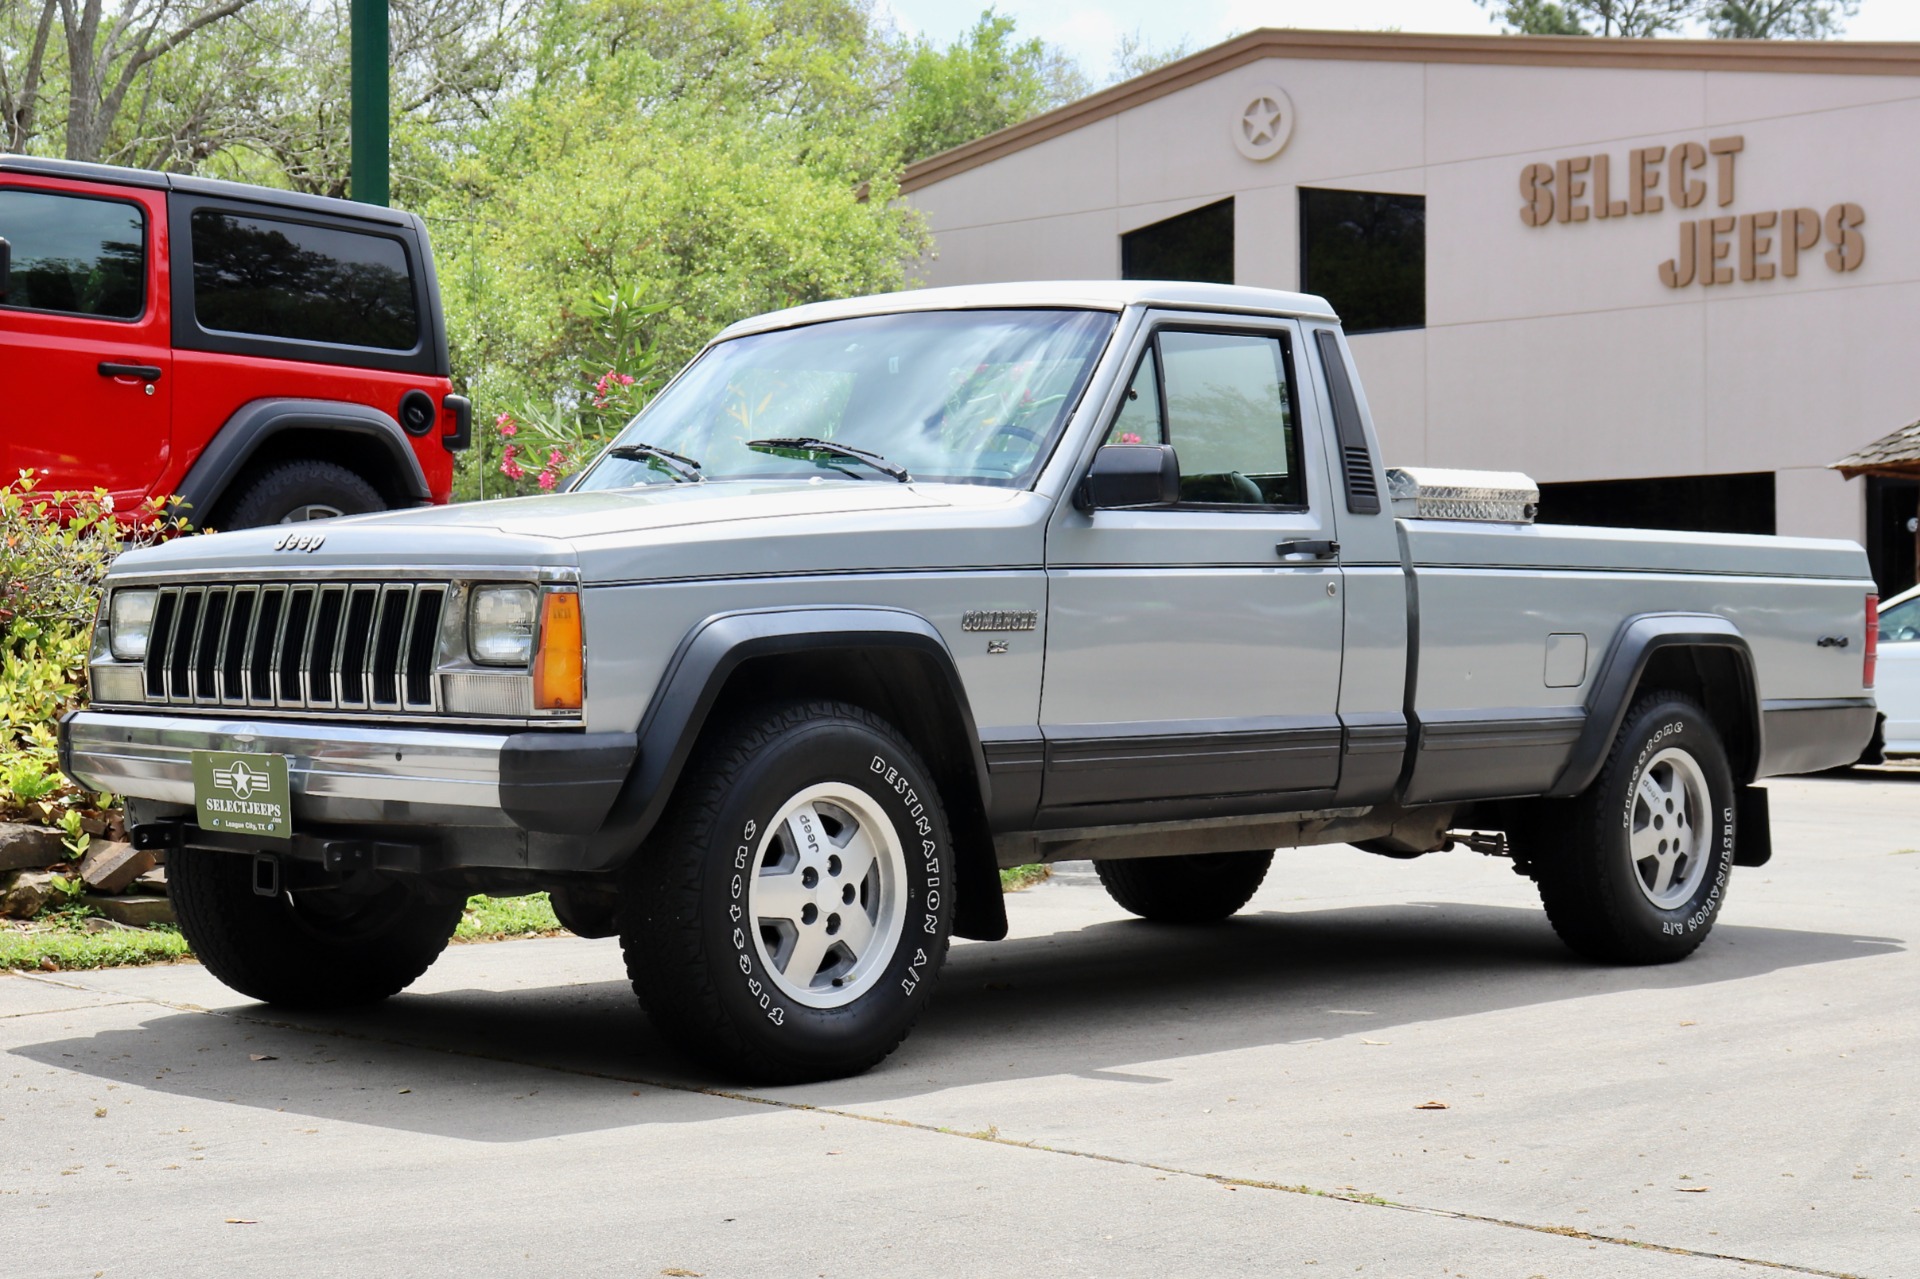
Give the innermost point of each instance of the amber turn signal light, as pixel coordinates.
(559, 674)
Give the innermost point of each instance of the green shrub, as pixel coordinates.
(539, 440)
(55, 549)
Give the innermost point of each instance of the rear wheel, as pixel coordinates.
(297, 491)
(1199, 889)
(1635, 870)
(356, 943)
(790, 918)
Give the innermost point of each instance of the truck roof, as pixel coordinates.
(1103, 295)
(152, 179)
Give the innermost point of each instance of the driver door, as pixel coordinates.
(1193, 659)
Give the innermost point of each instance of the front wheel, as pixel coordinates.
(356, 943)
(790, 918)
(1635, 870)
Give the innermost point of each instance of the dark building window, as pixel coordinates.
(1891, 504)
(1194, 246)
(1684, 503)
(1366, 253)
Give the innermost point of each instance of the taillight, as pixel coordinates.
(1873, 640)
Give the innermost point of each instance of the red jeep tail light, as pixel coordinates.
(1873, 640)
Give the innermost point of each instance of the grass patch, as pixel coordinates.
(492, 918)
(1019, 877)
(62, 938)
(59, 945)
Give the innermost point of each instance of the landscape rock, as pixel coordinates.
(151, 884)
(24, 847)
(25, 893)
(110, 867)
(135, 912)
(95, 924)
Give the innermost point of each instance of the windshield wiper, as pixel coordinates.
(683, 469)
(813, 444)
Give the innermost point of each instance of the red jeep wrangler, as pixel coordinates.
(266, 356)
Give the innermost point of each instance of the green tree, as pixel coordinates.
(1725, 19)
(1537, 18)
(85, 60)
(984, 81)
(1779, 19)
(1593, 17)
(1134, 55)
(716, 157)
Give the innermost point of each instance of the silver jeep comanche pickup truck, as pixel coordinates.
(880, 595)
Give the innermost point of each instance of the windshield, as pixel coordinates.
(970, 397)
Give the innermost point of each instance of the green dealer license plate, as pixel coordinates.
(244, 794)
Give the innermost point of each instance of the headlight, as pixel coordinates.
(129, 623)
(500, 625)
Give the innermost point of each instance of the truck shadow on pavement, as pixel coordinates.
(524, 1063)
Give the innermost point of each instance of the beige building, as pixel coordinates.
(1671, 279)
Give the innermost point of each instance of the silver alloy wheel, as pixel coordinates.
(311, 511)
(1671, 826)
(828, 895)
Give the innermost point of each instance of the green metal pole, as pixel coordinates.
(368, 118)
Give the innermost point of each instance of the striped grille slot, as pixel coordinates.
(361, 646)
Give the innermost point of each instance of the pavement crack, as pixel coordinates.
(1352, 1197)
(70, 1008)
(994, 1137)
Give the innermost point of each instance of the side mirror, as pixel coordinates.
(6, 266)
(1130, 475)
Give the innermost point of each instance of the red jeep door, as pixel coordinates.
(85, 348)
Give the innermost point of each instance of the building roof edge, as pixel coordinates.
(1802, 57)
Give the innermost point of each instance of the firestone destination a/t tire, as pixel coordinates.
(789, 920)
(1636, 871)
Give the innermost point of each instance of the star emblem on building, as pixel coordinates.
(1261, 121)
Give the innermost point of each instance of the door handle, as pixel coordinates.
(1319, 550)
(150, 372)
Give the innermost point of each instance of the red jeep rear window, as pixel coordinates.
(268, 278)
(75, 255)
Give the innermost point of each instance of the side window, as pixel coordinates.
(1228, 414)
(75, 255)
(1901, 623)
(264, 277)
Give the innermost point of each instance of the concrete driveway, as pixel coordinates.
(1095, 1096)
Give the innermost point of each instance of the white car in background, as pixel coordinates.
(1897, 682)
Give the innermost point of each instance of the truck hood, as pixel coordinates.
(647, 508)
(721, 528)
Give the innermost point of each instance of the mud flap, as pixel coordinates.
(1753, 827)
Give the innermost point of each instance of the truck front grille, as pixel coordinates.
(368, 646)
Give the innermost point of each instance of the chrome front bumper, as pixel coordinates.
(391, 777)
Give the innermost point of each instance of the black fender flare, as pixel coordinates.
(1634, 645)
(258, 421)
(697, 674)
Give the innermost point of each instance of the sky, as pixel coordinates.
(1090, 29)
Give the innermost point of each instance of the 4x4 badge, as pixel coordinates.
(308, 542)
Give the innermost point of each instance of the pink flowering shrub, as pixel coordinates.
(614, 382)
